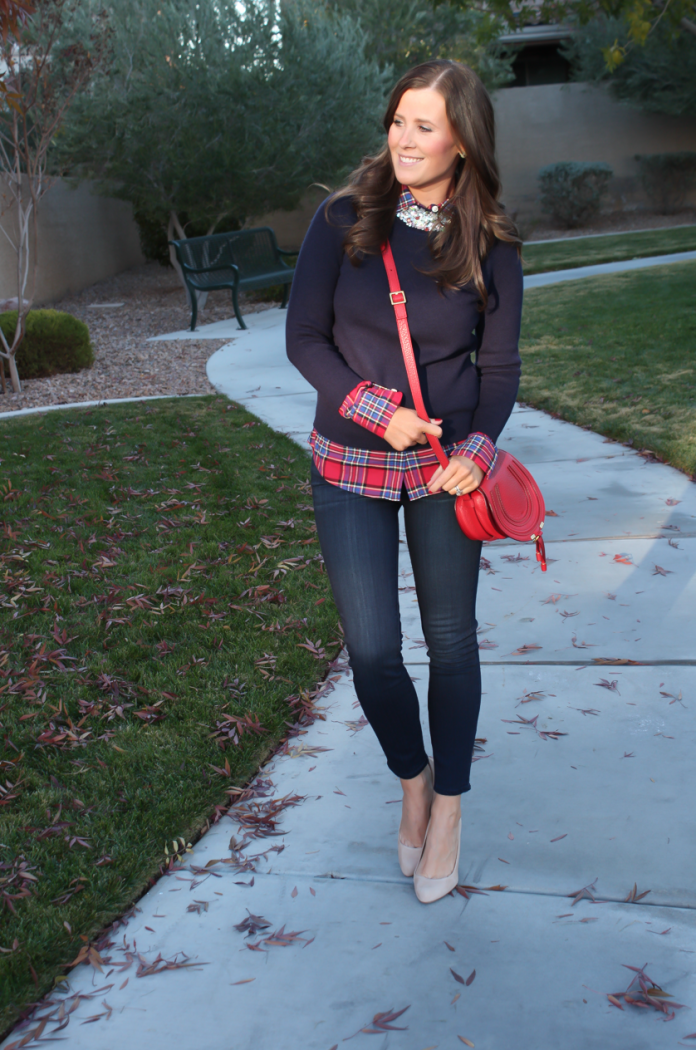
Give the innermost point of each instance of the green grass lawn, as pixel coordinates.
(160, 582)
(618, 354)
(586, 251)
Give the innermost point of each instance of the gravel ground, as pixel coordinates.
(612, 222)
(125, 364)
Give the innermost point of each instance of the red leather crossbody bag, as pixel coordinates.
(508, 503)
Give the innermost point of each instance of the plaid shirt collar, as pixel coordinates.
(407, 200)
(421, 216)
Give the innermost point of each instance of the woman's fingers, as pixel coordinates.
(427, 428)
(406, 429)
(461, 472)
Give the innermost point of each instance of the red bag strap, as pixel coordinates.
(398, 300)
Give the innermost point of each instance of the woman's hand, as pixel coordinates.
(462, 472)
(406, 429)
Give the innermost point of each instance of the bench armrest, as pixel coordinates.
(282, 251)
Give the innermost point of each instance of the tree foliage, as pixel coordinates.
(402, 33)
(659, 76)
(219, 112)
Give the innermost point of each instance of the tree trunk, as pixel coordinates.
(14, 376)
(174, 227)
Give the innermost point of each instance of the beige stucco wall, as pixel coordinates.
(555, 122)
(82, 238)
(291, 226)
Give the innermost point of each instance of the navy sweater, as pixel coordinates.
(341, 330)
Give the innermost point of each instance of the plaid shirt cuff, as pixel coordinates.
(481, 449)
(371, 406)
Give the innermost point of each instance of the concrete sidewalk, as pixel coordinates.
(603, 807)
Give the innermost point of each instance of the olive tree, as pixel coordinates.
(215, 112)
(402, 33)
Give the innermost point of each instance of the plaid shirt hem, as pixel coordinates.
(382, 475)
(371, 406)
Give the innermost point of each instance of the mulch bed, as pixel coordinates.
(126, 365)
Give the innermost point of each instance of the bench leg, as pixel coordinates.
(194, 309)
(235, 303)
(286, 292)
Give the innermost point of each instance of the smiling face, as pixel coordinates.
(422, 144)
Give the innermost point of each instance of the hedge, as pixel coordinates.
(54, 342)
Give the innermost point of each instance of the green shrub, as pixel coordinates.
(667, 178)
(53, 342)
(572, 192)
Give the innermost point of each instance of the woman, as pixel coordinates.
(432, 192)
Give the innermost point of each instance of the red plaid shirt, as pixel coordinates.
(384, 474)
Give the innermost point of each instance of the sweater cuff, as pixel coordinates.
(371, 406)
(481, 449)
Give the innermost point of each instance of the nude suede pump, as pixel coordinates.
(429, 890)
(410, 855)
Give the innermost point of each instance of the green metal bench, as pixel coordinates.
(241, 261)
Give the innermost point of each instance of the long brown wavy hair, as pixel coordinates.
(476, 219)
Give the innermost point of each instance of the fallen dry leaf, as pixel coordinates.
(524, 649)
(635, 896)
(586, 891)
(648, 994)
(252, 925)
(612, 686)
(545, 734)
(382, 1023)
(528, 697)
(616, 661)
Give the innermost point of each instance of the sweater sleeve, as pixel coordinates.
(310, 319)
(498, 359)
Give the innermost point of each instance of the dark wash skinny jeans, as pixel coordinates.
(359, 537)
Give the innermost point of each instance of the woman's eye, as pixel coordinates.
(423, 128)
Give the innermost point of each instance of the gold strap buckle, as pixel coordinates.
(397, 302)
